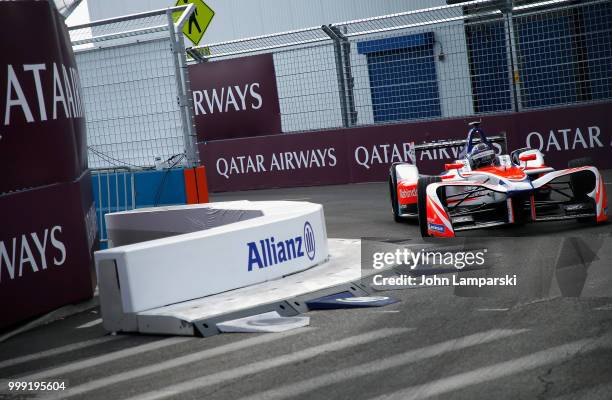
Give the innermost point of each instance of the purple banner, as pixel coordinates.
(235, 98)
(567, 133)
(364, 154)
(48, 230)
(46, 249)
(42, 129)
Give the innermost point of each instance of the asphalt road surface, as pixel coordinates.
(550, 337)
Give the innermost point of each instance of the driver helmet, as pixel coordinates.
(481, 156)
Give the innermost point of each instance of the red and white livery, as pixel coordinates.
(483, 188)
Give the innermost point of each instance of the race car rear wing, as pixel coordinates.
(442, 144)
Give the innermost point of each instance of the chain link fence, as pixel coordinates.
(564, 55)
(465, 59)
(470, 58)
(133, 82)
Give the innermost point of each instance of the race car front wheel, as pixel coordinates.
(581, 182)
(393, 195)
(422, 184)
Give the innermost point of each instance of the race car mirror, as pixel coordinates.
(528, 157)
(453, 166)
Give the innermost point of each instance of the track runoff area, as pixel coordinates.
(547, 336)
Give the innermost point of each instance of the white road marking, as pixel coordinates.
(57, 350)
(606, 307)
(92, 362)
(399, 360)
(493, 309)
(90, 324)
(536, 301)
(500, 370)
(260, 366)
(176, 362)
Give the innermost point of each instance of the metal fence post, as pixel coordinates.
(182, 83)
(513, 67)
(349, 82)
(340, 73)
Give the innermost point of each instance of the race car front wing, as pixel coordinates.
(445, 216)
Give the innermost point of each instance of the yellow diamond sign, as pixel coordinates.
(198, 21)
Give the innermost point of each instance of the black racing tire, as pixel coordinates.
(422, 184)
(582, 183)
(393, 196)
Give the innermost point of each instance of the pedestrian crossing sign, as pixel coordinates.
(198, 22)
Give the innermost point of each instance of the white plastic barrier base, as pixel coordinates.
(227, 246)
(284, 295)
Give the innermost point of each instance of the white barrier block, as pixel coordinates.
(288, 237)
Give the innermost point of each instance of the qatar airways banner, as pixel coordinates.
(42, 128)
(235, 98)
(47, 237)
(365, 154)
(48, 219)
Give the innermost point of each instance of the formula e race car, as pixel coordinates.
(483, 189)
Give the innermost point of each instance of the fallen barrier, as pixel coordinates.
(181, 270)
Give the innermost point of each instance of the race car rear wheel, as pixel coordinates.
(582, 183)
(422, 184)
(393, 195)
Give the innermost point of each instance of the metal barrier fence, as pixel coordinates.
(477, 57)
(459, 60)
(135, 89)
(113, 190)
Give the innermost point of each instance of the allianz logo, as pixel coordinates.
(272, 251)
(408, 193)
